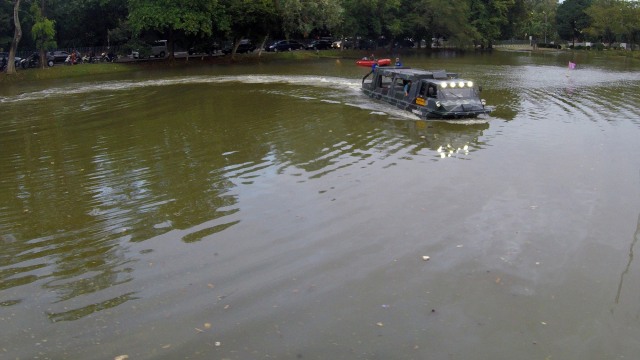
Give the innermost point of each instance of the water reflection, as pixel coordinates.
(634, 241)
(228, 176)
(541, 91)
(92, 178)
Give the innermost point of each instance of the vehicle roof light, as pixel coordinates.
(443, 84)
(470, 83)
(452, 84)
(461, 84)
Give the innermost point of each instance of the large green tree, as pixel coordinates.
(443, 19)
(304, 16)
(516, 20)
(85, 22)
(374, 19)
(487, 17)
(43, 32)
(606, 19)
(614, 20)
(572, 19)
(167, 16)
(360, 18)
(251, 19)
(6, 25)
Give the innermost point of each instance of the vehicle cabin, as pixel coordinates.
(428, 94)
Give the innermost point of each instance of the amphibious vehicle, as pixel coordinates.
(429, 94)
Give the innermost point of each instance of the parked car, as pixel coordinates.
(343, 44)
(366, 44)
(319, 45)
(4, 58)
(205, 48)
(245, 46)
(140, 52)
(284, 45)
(58, 56)
(33, 61)
(158, 49)
(405, 43)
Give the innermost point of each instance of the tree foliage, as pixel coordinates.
(614, 20)
(85, 22)
(572, 19)
(463, 22)
(43, 32)
(249, 19)
(6, 25)
(304, 16)
(167, 16)
(487, 17)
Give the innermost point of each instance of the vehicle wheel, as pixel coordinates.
(162, 54)
(50, 63)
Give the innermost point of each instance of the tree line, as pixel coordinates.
(48, 24)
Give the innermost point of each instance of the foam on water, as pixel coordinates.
(348, 90)
(542, 84)
(126, 85)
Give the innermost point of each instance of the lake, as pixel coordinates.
(272, 211)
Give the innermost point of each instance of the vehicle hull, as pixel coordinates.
(422, 93)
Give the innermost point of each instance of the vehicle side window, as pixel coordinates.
(399, 84)
(423, 89)
(385, 81)
(432, 91)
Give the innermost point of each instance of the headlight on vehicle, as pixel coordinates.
(483, 102)
(438, 104)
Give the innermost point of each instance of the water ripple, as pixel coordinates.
(110, 166)
(127, 85)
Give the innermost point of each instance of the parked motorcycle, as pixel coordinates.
(88, 59)
(73, 59)
(33, 61)
(108, 57)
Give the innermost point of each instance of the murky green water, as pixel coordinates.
(273, 211)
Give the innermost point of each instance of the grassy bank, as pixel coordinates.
(61, 71)
(88, 70)
(85, 70)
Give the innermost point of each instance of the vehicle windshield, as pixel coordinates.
(457, 93)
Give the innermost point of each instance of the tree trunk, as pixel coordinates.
(262, 46)
(170, 46)
(17, 35)
(43, 61)
(43, 54)
(236, 45)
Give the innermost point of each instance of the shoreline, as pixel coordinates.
(130, 65)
